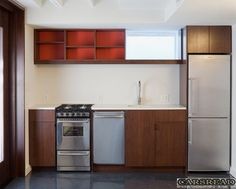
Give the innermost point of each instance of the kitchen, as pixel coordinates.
(88, 84)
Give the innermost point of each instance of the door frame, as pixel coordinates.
(16, 77)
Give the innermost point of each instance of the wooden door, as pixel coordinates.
(139, 139)
(198, 39)
(42, 138)
(5, 173)
(171, 144)
(220, 39)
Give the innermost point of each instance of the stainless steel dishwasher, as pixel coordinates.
(108, 137)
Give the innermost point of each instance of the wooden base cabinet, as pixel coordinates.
(155, 138)
(42, 138)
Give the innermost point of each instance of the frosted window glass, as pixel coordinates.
(152, 45)
(1, 98)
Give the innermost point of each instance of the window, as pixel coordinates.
(1, 98)
(153, 44)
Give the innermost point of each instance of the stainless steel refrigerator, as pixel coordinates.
(209, 113)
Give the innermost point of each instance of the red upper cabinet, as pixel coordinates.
(110, 44)
(79, 45)
(49, 45)
(209, 39)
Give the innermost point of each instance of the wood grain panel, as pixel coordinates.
(197, 39)
(220, 39)
(42, 115)
(171, 142)
(139, 139)
(155, 138)
(42, 138)
(170, 115)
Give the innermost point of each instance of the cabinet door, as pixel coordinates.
(171, 144)
(198, 39)
(220, 39)
(42, 138)
(140, 139)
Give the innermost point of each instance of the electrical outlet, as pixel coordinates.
(45, 98)
(165, 98)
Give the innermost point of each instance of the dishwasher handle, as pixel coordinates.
(109, 115)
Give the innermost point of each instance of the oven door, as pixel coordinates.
(73, 134)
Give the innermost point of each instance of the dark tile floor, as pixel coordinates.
(82, 180)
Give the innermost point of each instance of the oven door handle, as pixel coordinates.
(77, 121)
(59, 134)
(73, 153)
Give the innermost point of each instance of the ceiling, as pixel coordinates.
(128, 13)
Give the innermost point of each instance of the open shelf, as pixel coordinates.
(50, 36)
(78, 45)
(80, 54)
(50, 52)
(110, 38)
(110, 53)
(80, 38)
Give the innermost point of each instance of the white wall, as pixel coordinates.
(106, 84)
(233, 134)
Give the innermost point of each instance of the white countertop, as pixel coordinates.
(117, 107)
(138, 107)
(44, 107)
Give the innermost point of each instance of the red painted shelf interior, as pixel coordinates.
(80, 45)
(50, 36)
(50, 52)
(81, 38)
(110, 53)
(110, 38)
(80, 53)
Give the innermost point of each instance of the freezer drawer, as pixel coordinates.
(208, 144)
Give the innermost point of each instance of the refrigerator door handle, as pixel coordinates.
(193, 90)
(190, 97)
(190, 131)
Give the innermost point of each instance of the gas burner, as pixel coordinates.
(67, 107)
(83, 107)
(73, 111)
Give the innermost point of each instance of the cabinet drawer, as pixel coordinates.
(42, 115)
(171, 115)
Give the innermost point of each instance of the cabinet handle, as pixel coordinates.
(157, 136)
(156, 127)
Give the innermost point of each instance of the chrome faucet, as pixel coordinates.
(139, 93)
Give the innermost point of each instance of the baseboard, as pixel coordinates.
(28, 170)
(123, 168)
(233, 172)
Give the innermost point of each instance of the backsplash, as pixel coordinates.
(101, 84)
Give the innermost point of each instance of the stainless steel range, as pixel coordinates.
(73, 137)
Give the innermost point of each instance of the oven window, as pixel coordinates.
(72, 131)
